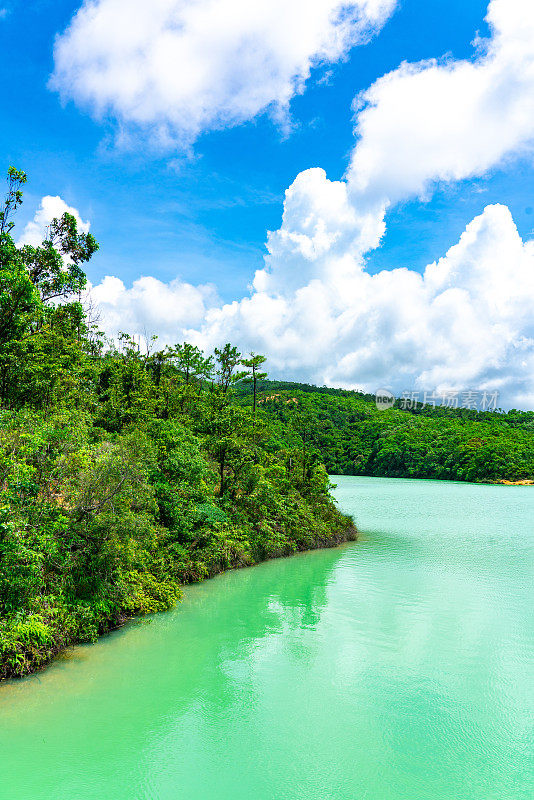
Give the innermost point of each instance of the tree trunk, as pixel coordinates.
(254, 410)
(221, 488)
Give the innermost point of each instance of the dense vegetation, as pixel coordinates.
(353, 437)
(126, 473)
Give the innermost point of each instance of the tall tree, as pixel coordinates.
(253, 365)
(39, 296)
(227, 360)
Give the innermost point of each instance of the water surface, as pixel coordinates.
(395, 668)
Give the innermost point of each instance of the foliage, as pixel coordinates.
(125, 473)
(352, 437)
(128, 471)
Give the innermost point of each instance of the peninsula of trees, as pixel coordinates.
(125, 472)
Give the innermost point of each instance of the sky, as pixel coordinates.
(343, 186)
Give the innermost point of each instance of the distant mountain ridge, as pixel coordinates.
(352, 436)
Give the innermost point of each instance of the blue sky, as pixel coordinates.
(202, 215)
(207, 220)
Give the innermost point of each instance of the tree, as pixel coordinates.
(15, 179)
(191, 362)
(19, 300)
(253, 364)
(122, 474)
(304, 421)
(127, 391)
(40, 289)
(227, 359)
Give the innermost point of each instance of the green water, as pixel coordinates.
(395, 668)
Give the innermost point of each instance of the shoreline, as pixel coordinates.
(525, 482)
(349, 534)
(484, 482)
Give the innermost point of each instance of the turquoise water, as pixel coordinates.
(395, 668)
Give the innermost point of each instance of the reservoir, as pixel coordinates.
(398, 667)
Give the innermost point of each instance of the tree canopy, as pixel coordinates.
(125, 471)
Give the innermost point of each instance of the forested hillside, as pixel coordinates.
(351, 436)
(126, 471)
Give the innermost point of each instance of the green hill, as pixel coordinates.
(353, 437)
(125, 473)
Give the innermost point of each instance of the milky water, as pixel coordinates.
(395, 668)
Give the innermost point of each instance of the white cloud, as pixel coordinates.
(50, 208)
(441, 121)
(180, 67)
(318, 219)
(151, 307)
(467, 322)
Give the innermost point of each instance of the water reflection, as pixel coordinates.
(397, 667)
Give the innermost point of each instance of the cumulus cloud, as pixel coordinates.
(151, 307)
(148, 307)
(181, 67)
(318, 220)
(448, 120)
(50, 208)
(466, 322)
